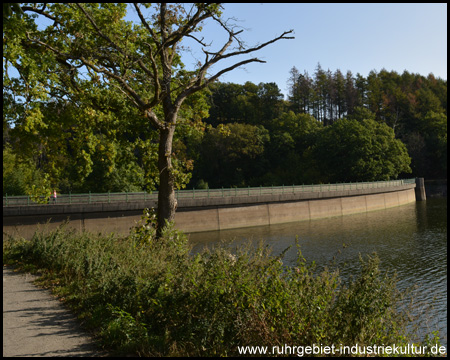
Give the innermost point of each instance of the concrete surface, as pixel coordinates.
(36, 324)
(221, 218)
(207, 214)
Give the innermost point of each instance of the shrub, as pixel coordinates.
(154, 298)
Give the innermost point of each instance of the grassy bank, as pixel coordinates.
(152, 298)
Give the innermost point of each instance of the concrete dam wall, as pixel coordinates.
(278, 211)
(210, 213)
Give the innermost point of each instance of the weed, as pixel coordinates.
(153, 298)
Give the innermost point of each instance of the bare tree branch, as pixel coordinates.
(189, 27)
(144, 22)
(40, 11)
(259, 47)
(196, 83)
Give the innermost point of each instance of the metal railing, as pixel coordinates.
(92, 198)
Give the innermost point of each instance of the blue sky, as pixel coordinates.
(355, 37)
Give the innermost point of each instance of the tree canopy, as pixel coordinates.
(73, 127)
(352, 150)
(91, 47)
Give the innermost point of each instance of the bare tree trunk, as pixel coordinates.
(167, 202)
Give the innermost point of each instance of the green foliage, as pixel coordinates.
(77, 125)
(249, 103)
(435, 131)
(20, 177)
(71, 128)
(230, 153)
(14, 175)
(352, 150)
(288, 151)
(151, 297)
(408, 103)
(40, 194)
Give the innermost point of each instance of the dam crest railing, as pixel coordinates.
(110, 197)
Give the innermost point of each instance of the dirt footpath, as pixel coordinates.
(36, 324)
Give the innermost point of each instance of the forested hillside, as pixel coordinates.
(82, 110)
(331, 128)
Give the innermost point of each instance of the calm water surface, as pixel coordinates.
(410, 240)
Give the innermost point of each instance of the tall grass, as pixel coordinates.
(153, 298)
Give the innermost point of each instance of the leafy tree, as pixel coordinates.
(339, 94)
(230, 154)
(361, 113)
(321, 91)
(374, 93)
(294, 95)
(142, 61)
(231, 103)
(249, 103)
(415, 143)
(352, 150)
(351, 93)
(19, 177)
(56, 119)
(14, 176)
(288, 149)
(9, 9)
(296, 127)
(436, 140)
(403, 102)
(270, 101)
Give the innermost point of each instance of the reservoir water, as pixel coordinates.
(410, 240)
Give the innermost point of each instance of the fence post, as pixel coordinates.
(109, 198)
(193, 192)
(222, 192)
(6, 199)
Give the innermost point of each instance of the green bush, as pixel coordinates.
(154, 298)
